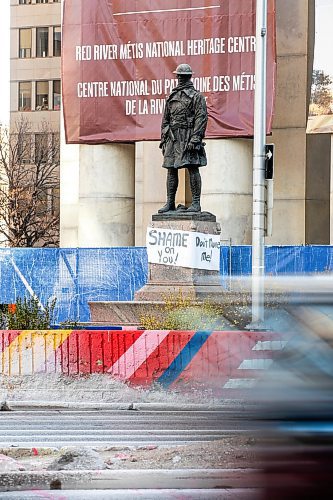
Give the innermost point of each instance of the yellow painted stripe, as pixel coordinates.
(30, 351)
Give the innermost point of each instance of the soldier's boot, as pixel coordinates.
(195, 183)
(172, 185)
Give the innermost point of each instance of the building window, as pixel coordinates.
(24, 96)
(56, 94)
(42, 42)
(24, 149)
(24, 2)
(25, 43)
(41, 148)
(42, 96)
(42, 1)
(54, 201)
(56, 147)
(57, 41)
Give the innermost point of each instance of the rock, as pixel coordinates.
(4, 406)
(8, 464)
(148, 447)
(122, 456)
(78, 459)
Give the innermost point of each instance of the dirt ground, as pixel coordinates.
(230, 452)
(49, 387)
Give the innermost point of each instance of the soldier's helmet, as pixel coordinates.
(183, 69)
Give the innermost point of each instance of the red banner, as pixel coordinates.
(119, 57)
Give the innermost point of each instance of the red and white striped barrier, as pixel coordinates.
(226, 360)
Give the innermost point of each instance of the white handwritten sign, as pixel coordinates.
(183, 249)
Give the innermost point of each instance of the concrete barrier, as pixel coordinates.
(229, 360)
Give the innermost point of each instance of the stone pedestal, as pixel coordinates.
(197, 284)
(166, 280)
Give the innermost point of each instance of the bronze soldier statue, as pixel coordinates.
(183, 129)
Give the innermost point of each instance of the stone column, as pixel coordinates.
(106, 195)
(97, 195)
(294, 58)
(69, 191)
(317, 227)
(227, 187)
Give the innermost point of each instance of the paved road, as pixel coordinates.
(148, 494)
(100, 428)
(36, 428)
(149, 483)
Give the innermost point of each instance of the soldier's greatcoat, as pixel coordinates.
(184, 121)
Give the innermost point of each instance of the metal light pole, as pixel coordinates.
(258, 216)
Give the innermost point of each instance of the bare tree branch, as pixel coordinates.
(29, 186)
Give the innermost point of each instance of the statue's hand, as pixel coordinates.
(192, 145)
(162, 146)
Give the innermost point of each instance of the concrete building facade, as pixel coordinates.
(116, 188)
(35, 53)
(35, 86)
(109, 192)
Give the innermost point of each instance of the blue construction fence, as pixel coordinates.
(76, 276)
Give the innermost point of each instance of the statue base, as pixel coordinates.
(177, 215)
(166, 281)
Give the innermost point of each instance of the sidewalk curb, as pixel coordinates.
(122, 479)
(57, 405)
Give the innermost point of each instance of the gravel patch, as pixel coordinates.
(73, 458)
(235, 452)
(96, 388)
